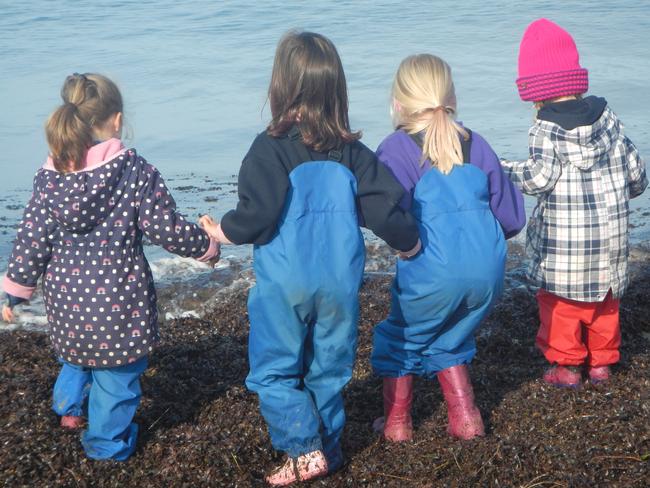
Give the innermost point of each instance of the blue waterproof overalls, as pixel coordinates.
(441, 296)
(110, 397)
(304, 309)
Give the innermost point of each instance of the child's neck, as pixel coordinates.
(563, 99)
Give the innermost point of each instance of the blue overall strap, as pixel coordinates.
(465, 144)
(296, 138)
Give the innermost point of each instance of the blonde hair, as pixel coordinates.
(542, 103)
(89, 100)
(424, 99)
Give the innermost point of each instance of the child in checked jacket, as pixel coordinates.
(583, 170)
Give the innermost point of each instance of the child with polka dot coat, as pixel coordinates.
(83, 231)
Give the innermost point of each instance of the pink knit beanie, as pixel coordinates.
(549, 64)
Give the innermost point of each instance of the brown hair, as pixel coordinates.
(89, 100)
(308, 89)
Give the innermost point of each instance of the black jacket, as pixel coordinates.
(264, 182)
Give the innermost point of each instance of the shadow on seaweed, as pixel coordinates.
(635, 323)
(506, 358)
(184, 377)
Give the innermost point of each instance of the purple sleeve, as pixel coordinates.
(506, 201)
(164, 226)
(397, 152)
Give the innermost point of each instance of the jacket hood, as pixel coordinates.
(81, 200)
(570, 114)
(581, 132)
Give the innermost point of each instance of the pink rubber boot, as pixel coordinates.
(599, 374)
(302, 468)
(565, 376)
(396, 423)
(72, 422)
(465, 420)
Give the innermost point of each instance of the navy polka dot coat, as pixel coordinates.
(83, 231)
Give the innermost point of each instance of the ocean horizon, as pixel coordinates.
(194, 78)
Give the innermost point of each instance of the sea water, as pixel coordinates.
(194, 76)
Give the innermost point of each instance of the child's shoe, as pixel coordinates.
(565, 376)
(302, 468)
(598, 374)
(72, 422)
(465, 420)
(396, 423)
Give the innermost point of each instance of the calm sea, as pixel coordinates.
(194, 75)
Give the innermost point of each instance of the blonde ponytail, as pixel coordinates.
(89, 100)
(424, 96)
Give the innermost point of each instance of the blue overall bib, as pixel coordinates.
(304, 310)
(441, 296)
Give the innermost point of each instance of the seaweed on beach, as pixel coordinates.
(201, 427)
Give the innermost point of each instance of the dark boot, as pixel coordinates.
(465, 420)
(396, 423)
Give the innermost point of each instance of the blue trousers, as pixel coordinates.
(427, 333)
(301, 356)
(111, 397)
(441, 296)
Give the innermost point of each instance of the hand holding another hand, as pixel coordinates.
(213, 229)
(209, 225)
(212, 262)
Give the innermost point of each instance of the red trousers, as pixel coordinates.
(573, 333)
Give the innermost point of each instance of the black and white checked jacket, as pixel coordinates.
(577, 236)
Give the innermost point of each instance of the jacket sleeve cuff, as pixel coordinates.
(17, 290)
(213, 250)
(221, 237)
(412, 252)
(13, 301)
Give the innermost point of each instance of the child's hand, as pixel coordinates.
(212, 262)
(8, 314)
(208, 224)
(213, 229)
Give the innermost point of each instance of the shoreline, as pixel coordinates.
(189, 289)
